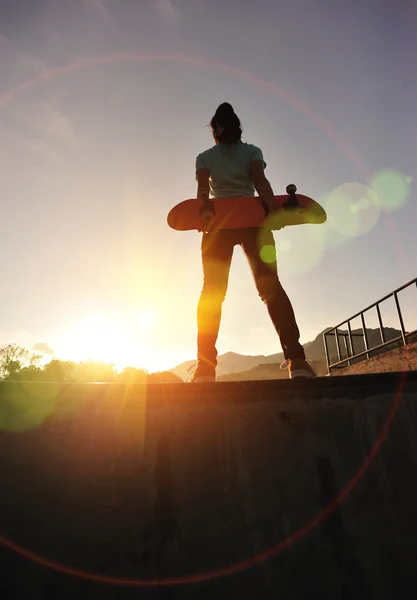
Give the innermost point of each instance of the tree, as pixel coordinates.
(132, 375)
(31, 373)
(93, 371)
(14, 358)
(59, 370)
(164, 377)
(20, 364)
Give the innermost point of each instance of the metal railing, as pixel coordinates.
(348, 336)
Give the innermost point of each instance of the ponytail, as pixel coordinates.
(226, 124)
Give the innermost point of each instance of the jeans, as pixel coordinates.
(217, 250)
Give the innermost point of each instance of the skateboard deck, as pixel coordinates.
(248, 211)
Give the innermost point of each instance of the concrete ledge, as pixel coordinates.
(185, 481)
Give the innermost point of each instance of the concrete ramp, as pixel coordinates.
(269, 489)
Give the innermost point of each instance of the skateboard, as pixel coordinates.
(248, 211)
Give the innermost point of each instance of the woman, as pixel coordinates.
(233, 168)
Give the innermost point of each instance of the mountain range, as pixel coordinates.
(242, 367)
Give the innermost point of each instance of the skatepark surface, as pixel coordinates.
(286, 489)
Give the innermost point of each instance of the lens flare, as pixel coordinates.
(391, 188)
(308, 239)
(268, 254)
(22, 409)
(353, 209)
(303, 248)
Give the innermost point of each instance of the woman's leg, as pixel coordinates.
(271, 291)
(216, 252)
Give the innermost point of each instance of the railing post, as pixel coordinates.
(352, 349)
(345, 339)
(352, 355)
(338, 344)
(397, 304)
(381, 327)
(365, 335)
(326, 350)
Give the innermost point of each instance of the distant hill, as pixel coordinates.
(233, 366)
(230, 362)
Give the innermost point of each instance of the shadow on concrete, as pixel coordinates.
(290, 489)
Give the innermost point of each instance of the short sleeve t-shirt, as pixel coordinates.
(229, 167)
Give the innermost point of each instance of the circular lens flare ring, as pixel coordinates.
(87, 63)
(9, 96)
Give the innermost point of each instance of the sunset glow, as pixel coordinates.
(96, 112)
(120, 341)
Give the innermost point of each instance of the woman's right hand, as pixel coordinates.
(207, 214)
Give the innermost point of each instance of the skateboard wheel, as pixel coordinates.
(291, 189)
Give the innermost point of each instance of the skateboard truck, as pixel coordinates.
(292, 201)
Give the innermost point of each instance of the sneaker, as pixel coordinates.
(202, 373)
(298, 367)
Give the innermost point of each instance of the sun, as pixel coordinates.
(147, 320)
(122, 341)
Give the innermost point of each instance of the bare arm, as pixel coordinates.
(262, 185)
(207, 210)
(203, 176)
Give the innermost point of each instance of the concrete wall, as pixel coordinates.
(187, 481)
(399, 359)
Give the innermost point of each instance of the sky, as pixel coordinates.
(104, 105)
